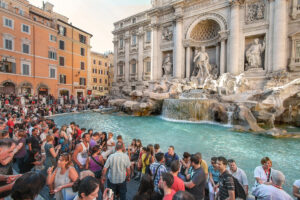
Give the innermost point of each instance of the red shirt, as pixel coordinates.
(79, 132)
(169, 196)
(10, 124)
(178, 184)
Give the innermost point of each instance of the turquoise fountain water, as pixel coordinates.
(209, 139)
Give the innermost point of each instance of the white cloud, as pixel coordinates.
(97, 16)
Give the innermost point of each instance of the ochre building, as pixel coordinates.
(40, 52)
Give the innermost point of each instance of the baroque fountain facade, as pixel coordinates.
(229, 61)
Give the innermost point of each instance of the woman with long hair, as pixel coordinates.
(64, 139)
(87, 188)
(62, 178)
(51, 152)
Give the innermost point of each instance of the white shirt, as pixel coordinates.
(240, 175)
(109, 142)
(269, 192)
(259, 172)
(69, 133)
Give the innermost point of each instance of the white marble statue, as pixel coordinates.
(201, 61)
(167, 65)
(253, 54)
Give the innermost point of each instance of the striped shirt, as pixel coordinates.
(160, 170)
(117, 164)
(226, 184)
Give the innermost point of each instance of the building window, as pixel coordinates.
(133, 68)
(82, 51)
(121, 25)
(95, 80)
(298, 48)
(9, 23)
(148, 36)
(100, 80)
(61, 45)
(62, 79)
(82, 66)
(25, 69)
(61, 61)
(121, 69)
(8, 44)
(121, 43)
(52, 72)
(25, 48)
(82, 38)
(3, 4)
(133, 40)
(52, 55)
(134, 20)
(148, 67)
(94, 61)
(8, 67)
(105, 81)
(105, 64)
(25, 28)
(62, 30)
(100, 63)
(21, 12)
(82, 81)
(52, 38)
(99, 71)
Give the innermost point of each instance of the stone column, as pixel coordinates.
(140, 65)
(179, 50)
(223, 37)
(218, 55)
(234, 37)
(188, 62)
(269, 47)
(115, 60)
(154, 51)
(280, 35)
(127, 46)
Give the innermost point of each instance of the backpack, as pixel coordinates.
(238, 189)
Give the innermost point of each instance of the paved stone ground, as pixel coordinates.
(132, 188)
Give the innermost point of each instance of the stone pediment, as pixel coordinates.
(294, 34)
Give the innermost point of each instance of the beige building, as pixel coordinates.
(98, 81)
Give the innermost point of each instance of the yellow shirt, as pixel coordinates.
(204, 166)
(145, 162)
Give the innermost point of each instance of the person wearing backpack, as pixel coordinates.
(226, 182)
(239, 174)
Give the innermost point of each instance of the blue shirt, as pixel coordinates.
(160, 170)
(215, 173)
(169, 159)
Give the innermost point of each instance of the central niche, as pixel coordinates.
(205, 30)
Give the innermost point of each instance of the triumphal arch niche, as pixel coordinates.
(207, 33)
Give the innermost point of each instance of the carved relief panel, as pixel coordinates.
(255, 11)
(167, 33)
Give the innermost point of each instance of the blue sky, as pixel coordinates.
(97, 16)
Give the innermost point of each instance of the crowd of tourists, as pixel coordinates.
(39, 160)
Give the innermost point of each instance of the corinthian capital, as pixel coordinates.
(236, 2)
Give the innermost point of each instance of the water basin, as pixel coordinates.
(209, 139)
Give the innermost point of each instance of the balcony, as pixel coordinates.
(121, 78)
(7, 67)
(133, 77)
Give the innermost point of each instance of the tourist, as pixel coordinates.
(239, 174)
(214, 174)
(146, 187)
(103, 140)
(165, 184)
(226, 184)
(272, 191)
(203, 164)
(262, 173)
(120, 139)
(119, 171)
(132, 149)
(185, 165)
(81, 153)
(134, 157)
(178, 184)
(170, 156)
(21, 153)
(197, 180)
(43, 137)
(34, 141)
(10, 123)
(64, 139)
(157, 148)
(96, 162)
(146, 160)
(87, 189)
(91, 132)
(110, 143)
(51, 152)
(94, 139)
(296, 189)
(28, 186)
(157, 168)
(7, 147)
(62, 178)
(183, 195)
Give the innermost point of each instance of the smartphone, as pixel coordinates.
(109, 193)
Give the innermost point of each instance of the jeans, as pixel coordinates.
(119, 188)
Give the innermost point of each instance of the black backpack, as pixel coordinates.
(238, 189)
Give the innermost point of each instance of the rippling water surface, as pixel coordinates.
(209, 139)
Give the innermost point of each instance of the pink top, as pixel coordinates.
(94, 167)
